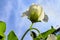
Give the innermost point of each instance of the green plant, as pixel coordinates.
(35, 14)
(11, 35)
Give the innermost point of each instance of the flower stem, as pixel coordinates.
(28, 31)
(31, 25)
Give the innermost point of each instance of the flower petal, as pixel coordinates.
(26, 13)
(51, 37)
(41, 17)
(45, 18)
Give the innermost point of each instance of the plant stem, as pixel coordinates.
(28, 31)
(31, 25)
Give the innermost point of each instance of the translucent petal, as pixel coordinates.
(45, 18)
(41, 17)
(25, 14)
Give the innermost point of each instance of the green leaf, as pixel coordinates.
(36, 39)
(2, 27)
(2, 36)
(12, 36)
(58, 37)
(45, 34)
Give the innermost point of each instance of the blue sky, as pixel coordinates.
(12, 10)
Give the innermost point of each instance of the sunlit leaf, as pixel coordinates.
(45, 34)
(58, 37)
(12, 36)
(36, 39)
(2, 27)
(2, 36)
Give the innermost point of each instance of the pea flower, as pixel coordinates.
(36, 13)
(52, 37)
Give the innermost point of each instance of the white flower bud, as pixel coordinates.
(36, 13)
(52, 37)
